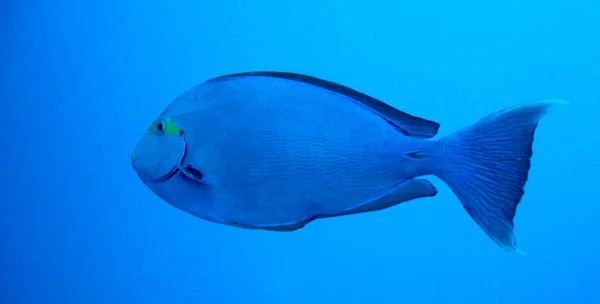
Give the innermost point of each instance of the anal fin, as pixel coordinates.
(406, 191)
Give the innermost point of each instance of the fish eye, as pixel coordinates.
(161, 126)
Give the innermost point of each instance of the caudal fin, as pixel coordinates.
(487, 164)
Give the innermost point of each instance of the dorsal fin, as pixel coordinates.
(408, 124)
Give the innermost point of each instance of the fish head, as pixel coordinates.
(159, 152)
(174, 158)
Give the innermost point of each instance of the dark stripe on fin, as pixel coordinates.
(408, 124)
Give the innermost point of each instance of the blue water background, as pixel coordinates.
(80, 81)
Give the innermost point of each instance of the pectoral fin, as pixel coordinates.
(192, 173)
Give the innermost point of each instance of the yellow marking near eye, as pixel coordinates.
(168, 128)
(172, 129)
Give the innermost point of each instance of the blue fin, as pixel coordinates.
(487, 165)
(406, 191)
(408, 124)
(409, 190)
(283, 227)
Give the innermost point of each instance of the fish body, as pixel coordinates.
(275, 151)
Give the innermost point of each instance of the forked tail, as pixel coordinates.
(487, 164)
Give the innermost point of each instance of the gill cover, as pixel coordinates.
(160, 151)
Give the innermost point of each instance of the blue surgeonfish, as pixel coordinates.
(276, 151)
